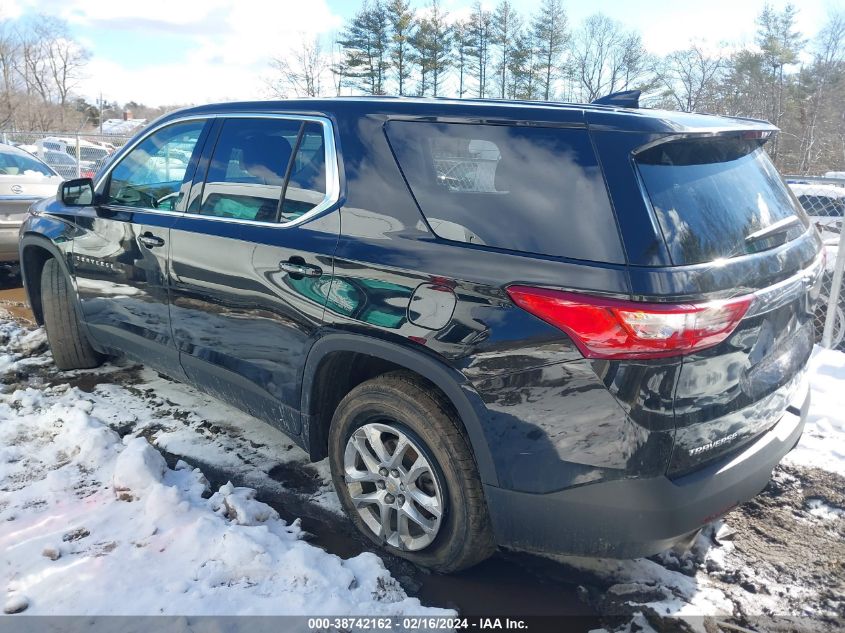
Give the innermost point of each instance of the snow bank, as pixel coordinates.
(823, 442)
(89, 525)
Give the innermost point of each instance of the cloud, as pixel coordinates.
(228, 44)
(10, 9)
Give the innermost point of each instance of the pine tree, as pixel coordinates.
(402, 25)
(461, 38)
(433, 44)
(551, 34)
(505, 26)
(366, 42)
(479, 48)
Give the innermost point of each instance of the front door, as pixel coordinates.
(120, 257)
(251, 262)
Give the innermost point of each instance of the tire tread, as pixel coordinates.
(68, 342)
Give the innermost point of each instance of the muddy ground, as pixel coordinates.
(778, 560)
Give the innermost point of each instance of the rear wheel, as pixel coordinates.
(405, 475)
(68, 341)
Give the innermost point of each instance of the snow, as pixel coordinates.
(86, 494)
(94, 524)
(823, 443)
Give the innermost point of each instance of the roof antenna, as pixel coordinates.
(624, 99)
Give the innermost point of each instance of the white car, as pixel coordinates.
(825, 204)
(23, 180)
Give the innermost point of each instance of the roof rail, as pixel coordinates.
(624, 99)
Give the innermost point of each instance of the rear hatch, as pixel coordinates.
(732, 229)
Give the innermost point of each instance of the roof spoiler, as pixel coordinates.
(624, 99)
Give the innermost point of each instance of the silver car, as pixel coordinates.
(24, 179)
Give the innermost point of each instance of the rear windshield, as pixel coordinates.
(530, 189)
(18, 164)
(709, 195)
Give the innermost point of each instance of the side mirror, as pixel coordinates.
(78, 192)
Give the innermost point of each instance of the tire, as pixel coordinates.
(68, 341)
(399, 402)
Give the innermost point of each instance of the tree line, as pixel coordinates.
(392, 47)
(40, 66)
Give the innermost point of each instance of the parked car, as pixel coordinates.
(564, 328)
(66, 165)
(23, 181)
(91, 156)
(825, 204)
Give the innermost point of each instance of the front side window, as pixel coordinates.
(529, 189)
(267, 170)
(151, 175)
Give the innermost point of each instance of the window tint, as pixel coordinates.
(530, 189)
(151, 175)
(18, 164)
(710, 194)
(252, 166)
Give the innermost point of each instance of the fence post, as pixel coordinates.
(78, 158)
(835, 288)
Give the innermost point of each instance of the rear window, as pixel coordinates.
(530, 189)
(709, 195)
(17, 164)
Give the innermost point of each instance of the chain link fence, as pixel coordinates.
(71, 155)
(824, 201)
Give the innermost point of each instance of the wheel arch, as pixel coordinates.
(35, 251)
(467, 404)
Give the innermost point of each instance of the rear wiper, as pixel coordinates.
(781, 226)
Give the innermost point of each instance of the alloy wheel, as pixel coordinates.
(393, 486)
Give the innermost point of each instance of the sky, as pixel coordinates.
(162, 52)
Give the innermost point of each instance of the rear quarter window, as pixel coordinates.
(529, 189)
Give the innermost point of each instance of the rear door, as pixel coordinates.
(120, 256)
(731, 229)
(251, 261)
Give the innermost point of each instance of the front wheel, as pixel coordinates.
(405, 475)
(68, 341)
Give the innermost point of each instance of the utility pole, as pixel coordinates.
(101, 113)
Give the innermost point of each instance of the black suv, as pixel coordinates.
(565, 328)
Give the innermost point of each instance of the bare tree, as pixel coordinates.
(825, 76)
(8, 61)
(689, 77)
(606, 58)
(64, 58)
(301, 71)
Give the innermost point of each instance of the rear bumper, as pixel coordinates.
(628, 518)
(9, 237)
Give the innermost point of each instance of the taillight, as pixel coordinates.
(613, 328)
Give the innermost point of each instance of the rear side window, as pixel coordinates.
(709, 195)
(258, 161)
(530, 189)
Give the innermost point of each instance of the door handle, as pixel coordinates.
(299, 268)
(151, 241)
